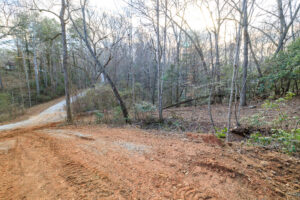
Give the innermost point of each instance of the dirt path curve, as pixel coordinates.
(55, 113)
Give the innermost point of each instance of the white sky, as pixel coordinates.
(197, 20)
(108, 5)
(192, 15)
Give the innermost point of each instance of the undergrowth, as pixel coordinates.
(285, 141)
(285, 134)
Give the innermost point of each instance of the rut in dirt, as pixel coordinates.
(77, 162)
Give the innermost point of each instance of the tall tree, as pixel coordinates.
(1, 84)
(93, 52)
(26, 76)
(284, 27)
(158, 62)
(235, 70)
(245, 54)
(8, 10)
(62, 19)
(65, 58)
(218, 13)
(36, 67)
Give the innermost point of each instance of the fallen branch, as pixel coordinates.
(185, 101)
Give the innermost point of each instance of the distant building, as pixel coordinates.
(10, 66)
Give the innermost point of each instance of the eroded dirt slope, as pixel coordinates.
(89, 162)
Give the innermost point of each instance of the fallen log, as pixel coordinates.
(185, 101)
(247, 131)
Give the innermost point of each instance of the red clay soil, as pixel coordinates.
(90, 162)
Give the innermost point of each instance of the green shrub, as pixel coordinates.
(282, 71)
(256, 120)
(286, 141)
(5, 102)
(99, 117)
(221, 133)
(280, 118)
(101, 98)
(9, 110)
(43, 98)
(144, 110)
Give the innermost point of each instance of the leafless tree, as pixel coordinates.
(8, 10)
(235, 70)
(62, 18)
(158, 61)
(83, 34)
(65, 58)
(245, 53)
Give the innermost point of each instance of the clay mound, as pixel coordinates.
(211, 139)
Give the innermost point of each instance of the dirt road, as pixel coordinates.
(50, 161)
(113, 163)
(55, 113)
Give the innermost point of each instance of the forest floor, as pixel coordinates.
(58, 161)
(197, 118)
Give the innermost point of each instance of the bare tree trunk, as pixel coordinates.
(65, 59)
(36, 70)
(291, 18)
(54, 68)
(243, 101)
(45, 75)
(211, 87)
(154, 85)
(84, 37)
(281, 17)
(159, 71)
(27, 56)
(50, 67)
(217, 66)
(284, 28)
(26, 77)
(164, 58)
(254, 58)
(177, 61)
(235, 69)
(1, 84)
(118, 97)
(237, 123)
(131, 59)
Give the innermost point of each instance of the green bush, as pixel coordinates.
(280, 118)
(99, 117)
(5, 102)
(101, 99)
(144, 110)
(286, 141)
(255, 120)
(282, 71)
(102, 102)
(9, 110)
(43, 98)
(221, 133)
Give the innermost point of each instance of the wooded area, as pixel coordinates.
(150, 51)
(150, 99)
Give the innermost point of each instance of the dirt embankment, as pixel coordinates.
(89, 162)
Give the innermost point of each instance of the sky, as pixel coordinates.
(199, 20)
(196, 19)
(118, 5)
(111, 5)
